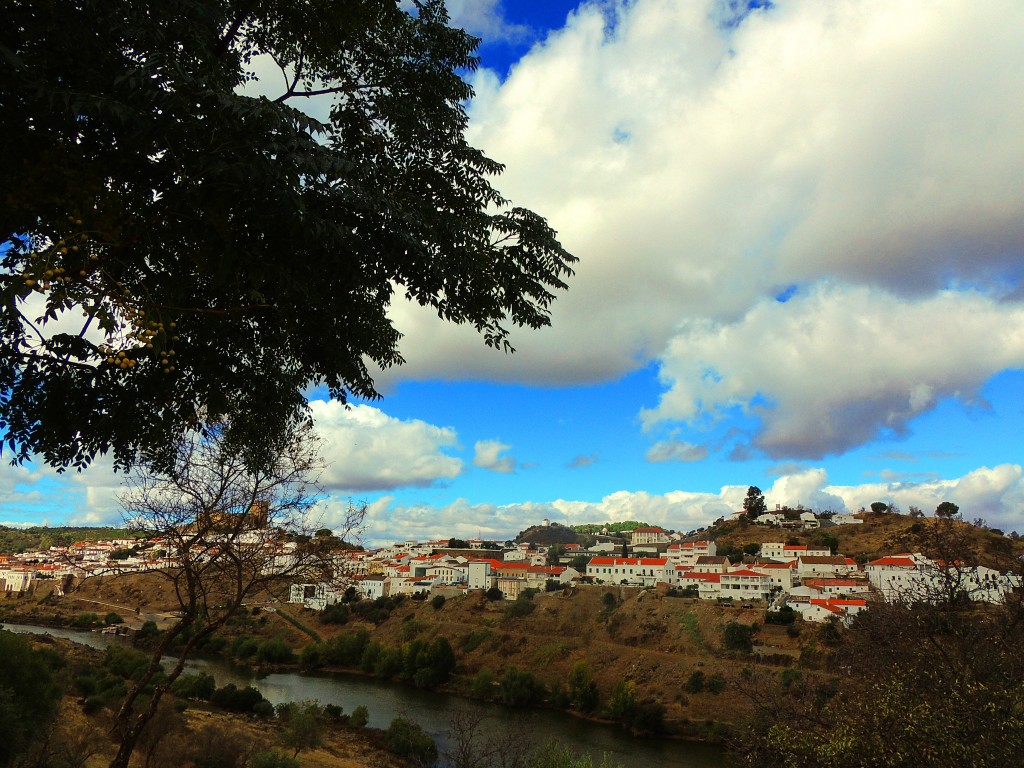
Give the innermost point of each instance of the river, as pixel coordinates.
(433, 710)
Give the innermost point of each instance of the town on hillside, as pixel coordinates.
(816, 582)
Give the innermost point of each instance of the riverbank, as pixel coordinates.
(659, 644)
(437, 711)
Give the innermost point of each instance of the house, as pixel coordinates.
(776, 550)
(687, 552)
(314, 596)
(829, 566)
(708, 584)
(643, 571)
(712, 564)
(820, 610)
(16, 578)
(915, 578)
(654, 535)
(745, 584)
(782, 575)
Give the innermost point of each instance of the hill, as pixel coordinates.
(550, 535)
(880, 534)
(18, 540)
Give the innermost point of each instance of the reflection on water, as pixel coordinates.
(433, 711)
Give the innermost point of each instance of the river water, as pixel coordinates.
(434, 711)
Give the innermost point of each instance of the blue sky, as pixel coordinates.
(800, 247)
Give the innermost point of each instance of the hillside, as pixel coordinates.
(881, 534)
(18, 540)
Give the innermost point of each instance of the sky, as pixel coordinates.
(801, 267)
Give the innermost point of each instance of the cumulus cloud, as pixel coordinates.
(676, 450)
(995, 494)
(487, 455)
(485, 19)
(367, 450)
(701, 166)
(838, 366)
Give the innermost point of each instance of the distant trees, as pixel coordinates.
(948, 510)
(879, 507)
(754, 504)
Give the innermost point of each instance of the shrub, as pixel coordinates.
(360, 717)
(112, 618)
(715, 683)
(694, 683)
(494, 593)
(334, 614)
(274, 652)
(520, 689)
(483, 684)
(583, 694)
(437, 602)
(86, 620)
(407, 739)
(200, 686)
(784, 615)
(519, 608)
(739, 637)
(235, 699)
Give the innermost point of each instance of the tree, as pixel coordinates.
(754, 504)
(231, 532)
(226, 248)
(303, 726)
(28, 696)
(948, 510)
(879, 507)
(583, 694)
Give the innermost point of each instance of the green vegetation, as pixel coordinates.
(34, 539)
(29, 695)
(383, 195)
(583, 694)
(520, 689)
(641, 718)
(619, 527)
(739, 637)
(408, 740)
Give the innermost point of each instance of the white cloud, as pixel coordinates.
(698, 172)
(487, 455)
(995, 494)
(367, 450)
(676, 450)
(485, 19)
(839, 365)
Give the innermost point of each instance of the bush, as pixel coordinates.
(519, 608)
(715, 683)
(112, 618)
(784, 615)
(86, 620)
(235, 699)
(583, 694)
(694, 683)
(739, 637)
(200, 686)
(407, 739)
(437, 602)
(520, 689)
(360, 717)
(274, 652)
(483, 684)
(334, 614)
(642, 719)
(494, 593)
